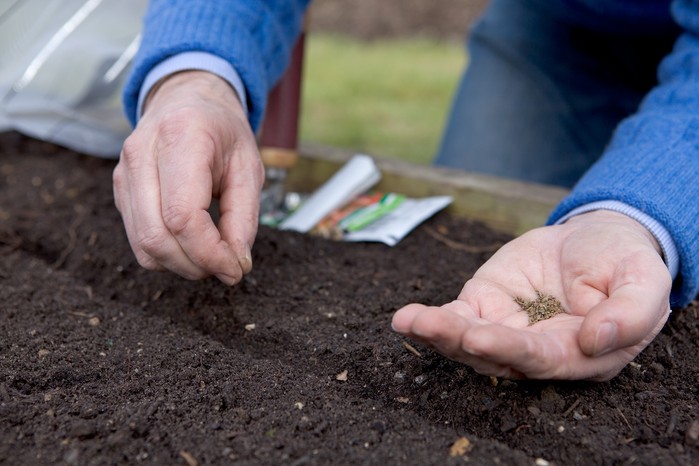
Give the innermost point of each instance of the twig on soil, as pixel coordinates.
(572, 407)
(624, 418)
(672, 424)
(668, 349)
(10, 240)
(72, 241)
(4, 393)
(412, 349)
(461, 246)
(523, 426)
(187, 456)
(92, 240)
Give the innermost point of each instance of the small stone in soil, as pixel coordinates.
(543, 307)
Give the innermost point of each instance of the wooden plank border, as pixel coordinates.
(505, 205)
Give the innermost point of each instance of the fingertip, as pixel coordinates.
(245, 261)
(147, 262)
(432, 325)
(235, 268)
(404, 317)
(228, 280)
(619, 322)
(605, 340)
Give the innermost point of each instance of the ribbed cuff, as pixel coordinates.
(662, 236)
(202, 61)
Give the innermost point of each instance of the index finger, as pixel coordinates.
(240, 201)
(186, 181)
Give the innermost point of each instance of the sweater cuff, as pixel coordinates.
(202, 61)
(662, 236)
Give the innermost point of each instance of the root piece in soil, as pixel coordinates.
(191, 461)
(450, 243)
(543, 307)
(412, 349)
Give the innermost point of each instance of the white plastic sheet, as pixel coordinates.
(62, 68)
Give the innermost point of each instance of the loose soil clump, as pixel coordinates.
(103, 362)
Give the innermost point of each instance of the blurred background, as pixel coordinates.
(379, 74)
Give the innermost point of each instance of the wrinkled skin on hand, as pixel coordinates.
(606, 270)
(192, 144)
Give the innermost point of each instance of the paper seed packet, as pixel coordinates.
(344, 208)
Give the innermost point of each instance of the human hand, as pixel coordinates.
(603, 266)
(192, 144)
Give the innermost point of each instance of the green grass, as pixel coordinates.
(385, 98)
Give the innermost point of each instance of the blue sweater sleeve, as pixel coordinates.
(254, 36)
(652, 162)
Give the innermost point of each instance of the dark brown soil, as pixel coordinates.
(102, 362)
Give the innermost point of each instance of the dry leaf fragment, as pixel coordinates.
(460, 447)
(342, 376)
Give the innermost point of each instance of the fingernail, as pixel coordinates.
(605, 340)
(246, 261)
(393, 326)
(471, 351)
(227, 279)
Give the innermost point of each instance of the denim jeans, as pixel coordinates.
(542, 94)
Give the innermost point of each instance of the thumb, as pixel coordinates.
(629, 317)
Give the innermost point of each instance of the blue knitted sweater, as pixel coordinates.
(652, 162)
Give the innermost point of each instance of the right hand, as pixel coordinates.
(604, 267)
(192, 144)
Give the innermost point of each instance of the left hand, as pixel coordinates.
(603, 266)
(193, 144)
